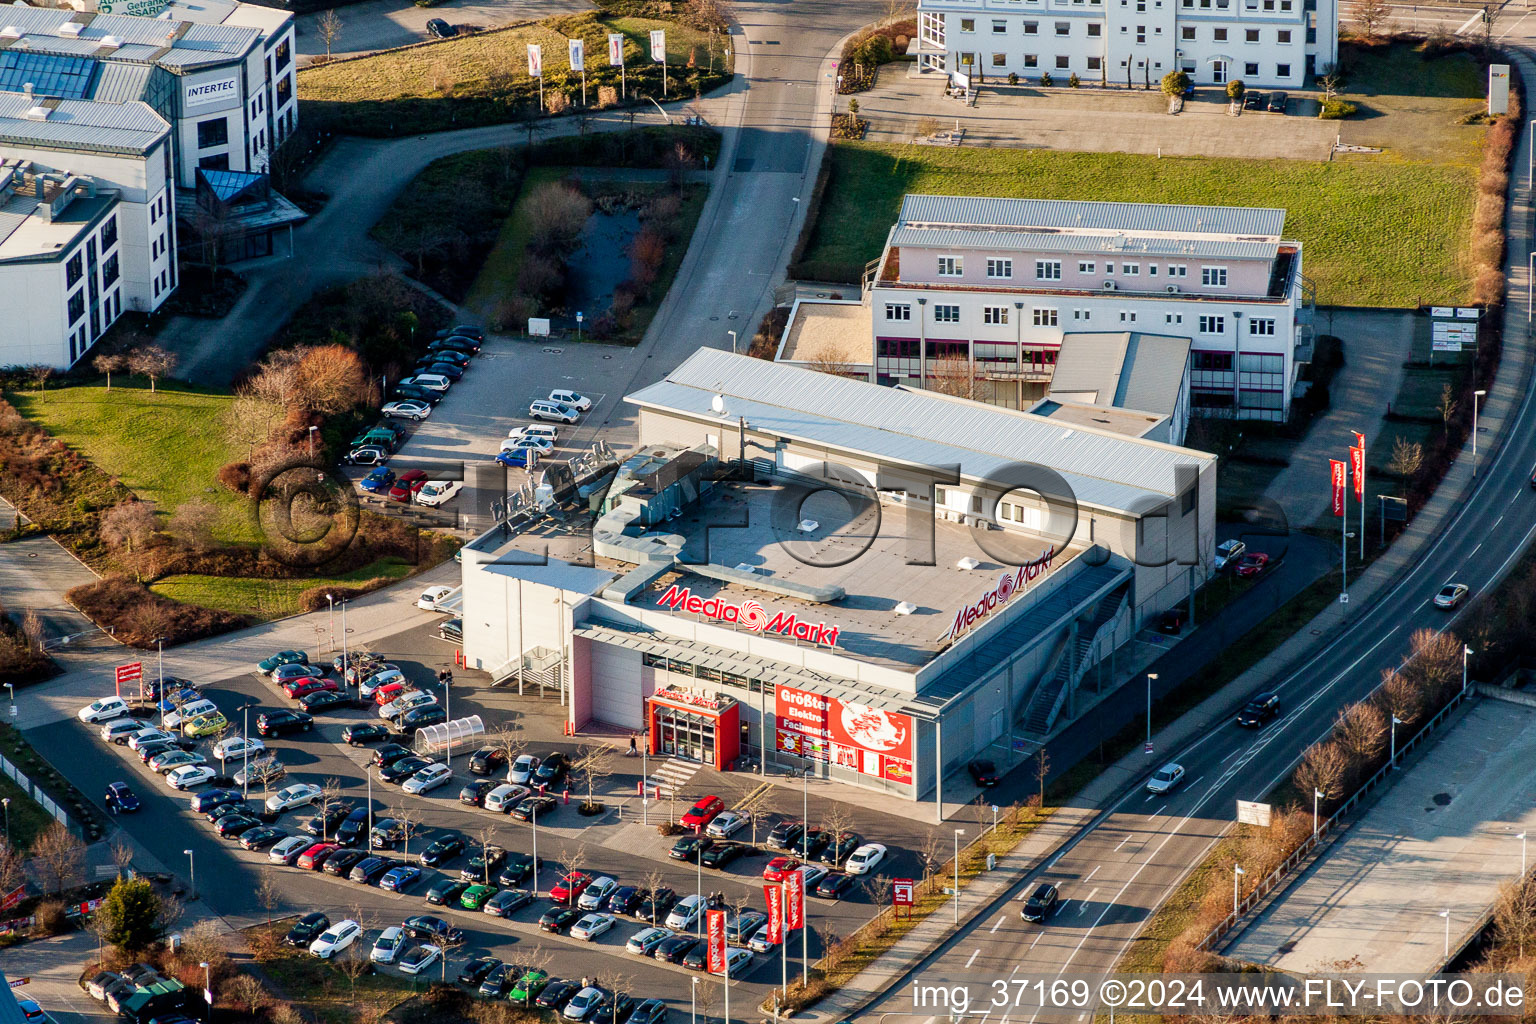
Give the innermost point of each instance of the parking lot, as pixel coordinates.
(615, 843)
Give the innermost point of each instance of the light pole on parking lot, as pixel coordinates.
(1475, 396)
(6, 803)
(1151, 676)
(191, 871)
(533, 819)
(207, 987)
(245, 735)
(958, 833)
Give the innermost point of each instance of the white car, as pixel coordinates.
(238, 746)
(144, 736)
(437, 492)
(591, 926)
(389, 945)
(726, 825)
(1451, 595)
(289, 797)
(759, 943)
(579, 402)
(647, 939)
(285, 848)
(505, 797)
(408, 409)
(544, 430)
(1166, 779)
(430, 381)
(189, 776)
(596, 893)
(686, 914)
(419, 959)
(103, 710)
(583, 1003)
(865, 859)
(188, 711)
(335, 939)
(542, 445)
(738, 961)
(406, 702)
(389, 674)
(559, 412)
(430, 777)
(1229, 553)
(522, 769)
(427, 602)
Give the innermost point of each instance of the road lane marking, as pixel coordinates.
(1086, 899)
(997, 925)
(1095, 871)
(1197, 781)
(1032, 944)
(1469, 23)
(1150, 797)
(1122, 842)
(1230, 756)
(974, 954)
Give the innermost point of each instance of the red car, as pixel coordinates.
(384, 694)
(304, 687)
(570, 887)
(702, 813)
(1252, 564)
(411, 481)
(313, 858)
(779, 867)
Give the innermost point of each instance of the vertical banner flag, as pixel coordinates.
(578, 52)
(1357, 462)
(615, 49)
(715, 925)
(1339, 473)
(774, 895)
(535, 61)
(659, 46)
(794, 899)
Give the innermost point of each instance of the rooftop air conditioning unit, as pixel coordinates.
(1173, 289)
(1110, 286)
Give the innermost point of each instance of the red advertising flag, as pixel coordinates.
(1357, 464)
(1339, 473)
(794, 900)
(715, 926)
(774, 895)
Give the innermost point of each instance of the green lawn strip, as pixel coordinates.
(1375, 234)
(1402, 70)
(266, 598)
(166, 446)
(27, 817)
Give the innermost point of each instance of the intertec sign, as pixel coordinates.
(205, 93)
(749, 614)
(1008, 584)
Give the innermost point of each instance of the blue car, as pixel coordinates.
(120, 799)
(516, 457)
(173, 701)
(401, 878)
(379, 481)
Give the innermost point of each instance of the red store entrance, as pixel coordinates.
(693, 728)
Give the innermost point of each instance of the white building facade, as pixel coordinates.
(1264, 43)
(986, 288)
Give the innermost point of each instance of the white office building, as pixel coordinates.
(1266, 43)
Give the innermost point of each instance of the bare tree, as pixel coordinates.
(276, 381)
(953, 376)
(1324, 768)
(12, 867)
(329, 27)
(1042, 771)
(511, 739)
(248, 421)
(107, 363)
(59, 855)
(931, 852)
(595, 762)
(192, 523)
(825, 358)
(248, 993)
(153, 362)
(268, 897)
(330, 794)
(409, 818)
(651, 887)
(127, 525)
(837, 819)
(1514, 915)
(1447, 407)
(39, 373)
(1362, 728)
(487, 841)
(356, 963)
(1407, 458)
(1331, 79)
(122, 857)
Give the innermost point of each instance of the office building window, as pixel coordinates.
(1063, 28)
(1084, 267)
(1095, 63)
(999, 27)
(1251, 35)
(951, 266)
(1141, 36)
(1151, 269)
(1095, 30)
(1261, 327)
(898, 311)
(1219, 34)
(1130, 269)
(77, 305)
(1031, 60)
(219, 162)
(1251, 68)
(994, 314)
(1031, 28)
(999, 60)
(213, 132)
(1213, 277)
(1177, 270)
(1213, 325)
(109, 270)
(1081, 315)
(1282, 71)
(1044, 317)
(109, 233)
(1047, 270)
(1001, 269)
(967, 24)
(1173, 318)
(1283, 37)
(1063, 62)
(946, 314)
(72, 270)
(1187, 33)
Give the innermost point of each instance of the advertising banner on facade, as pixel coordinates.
(715, 928)
(794, 900)
(615, 49)
(773, 895)
(1338, 473)
(856, 736)
(535, 61)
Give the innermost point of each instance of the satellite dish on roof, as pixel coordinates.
(717, 403)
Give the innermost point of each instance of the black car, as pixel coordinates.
(556, 994)
(690, 847)
(1041, 903)
(785, 835)
(370, 869)
(612, 1007)
(483, 864)
(425, 927)
(474, 793)
(386, 832)
(654, 907)
(353, 828)
(1260, 709)
(463, 346)
(475, 971)
(388, 754)
(233, 826)
(551, 770)
(497, 983)
(263, 837)
(442, 851)
(652, 1011)
(983, 771)
(673, 950)
(695, 957)
(308, 929)
(451, 630)
(1254, 101)
(487, 760)
(452, 371)
(1277, 102)
(838, 853)
(834, 886)
(325, 823)
(147, 751)
(399, 771)
(223, 810)
(812, 843)
(624, 899)
(440, 29)
(470, 332)
(445, 892)
(208, 799)
(420, 718)
(721, 854)
(508, 902)
(558, 919)
(277, 723)
(518, 867)
(534, 807)
(341, 863)
(324, 700)
(1172, 621)
(419, 394)
(364, 733)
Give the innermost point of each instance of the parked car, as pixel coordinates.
(740, 927)
(388, 946)
(1227, 554)
(470, 331)
(353, 826)
(407, 484)
(309, 928)
(438, 492)
(687, 913)
(120, 799)
(174, 758)
(298, 795)
(596, 893)
(238, 746)
(558, 919)
(340, 863)
(189, 776)
(335, 939)
(1172, 621)
(579, 402)
(439, 29)
(834, 885)
(445, 892)
(1254, 100)
(386, 832)
(476, 896)
(690, 848)
(534, 808)
(408, 391)
(475, 791)
(527, 988)
(441, 851)
(1277, 102)
(865, 859)
(388, 754)
(399, 771)
(405, 702)
(520, 773)
(401, 878)
(362, 733)
(188, 711)
(420, 718)
(507, 902)
(368, 455)
(484, 862)
(276, 723)
(725, 825)
(313, 859)
(505, 797)
(1251, 564)
(430, 381)
(702, 813)
(420, 958)
(591, 926)
(984, 771)
(673, 950)
(429, 778)
(785, 835)
(208, 799)
(655, 904)
(297, 688)
(552, 769)
(426, 927)
(554, 411)
(650, 1011)
(1041, 904)
(478, 969)
(645, 941)
(624, 899)
(263, 837)
(233, 826)
(838, 852)
(369, 870)
(408, 409)
(721, 854)
(286, 851)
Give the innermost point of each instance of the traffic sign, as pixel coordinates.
(1148, 748)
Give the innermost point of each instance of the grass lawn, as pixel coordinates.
(166, 446)
(27, 817)
(483, 78)
(268, 599)
(1401, 70)
(1376, 234)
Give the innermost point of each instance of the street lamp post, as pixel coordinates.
(1344, 562)
(6, 803)
(1237, 874)
(1475, 396)
(1521, 837)
(1446, 913)
(1151, 676)
(330, 599)
(245, 734)
(958, 833)
(312, 441)
(1466, 652)
(1392, 758)
(192, 871)
(533, 820)
(207, 987)
(693, 1002)
(733, 341)
(1317, 795)
(10, 693)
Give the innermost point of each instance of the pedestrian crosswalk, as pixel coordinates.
(672, 775)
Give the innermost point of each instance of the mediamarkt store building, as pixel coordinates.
(816, 571)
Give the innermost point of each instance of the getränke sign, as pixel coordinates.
(749, 614)
(1008, 584)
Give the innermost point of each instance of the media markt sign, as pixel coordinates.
(1008, 584)
(749, 614)
(137, 8)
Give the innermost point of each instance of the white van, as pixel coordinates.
(556, 411)
(119, 729)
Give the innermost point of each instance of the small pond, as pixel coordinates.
(599, 264)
